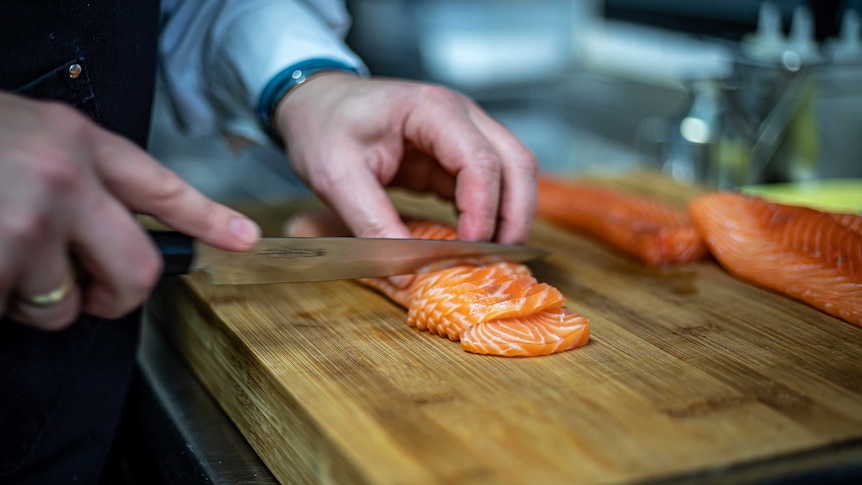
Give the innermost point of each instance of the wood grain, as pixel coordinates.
(689, 372)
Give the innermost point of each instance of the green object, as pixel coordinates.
(837, 195)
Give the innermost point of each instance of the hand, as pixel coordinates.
(67, 192)
(349, 138)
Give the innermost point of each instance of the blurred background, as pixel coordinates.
(725, 93)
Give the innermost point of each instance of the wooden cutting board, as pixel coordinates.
(690, 373)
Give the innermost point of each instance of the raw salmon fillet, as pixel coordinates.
(811, 255)
(497, 309)
(655, 232)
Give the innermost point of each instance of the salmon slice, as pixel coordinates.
(537, 334)
(652, 231)
(811, 255)
(502, 307)
(447, 308)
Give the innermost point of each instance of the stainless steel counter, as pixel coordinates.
(175, 432)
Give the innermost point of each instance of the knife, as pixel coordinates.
(287, 259)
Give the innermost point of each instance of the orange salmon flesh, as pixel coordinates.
(811, 255)
(496, 309)
(652, 231)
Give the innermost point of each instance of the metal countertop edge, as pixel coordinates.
(181, 435)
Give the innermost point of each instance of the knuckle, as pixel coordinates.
(54, 156)
(372, 229)
(485, 160)
(63, 120)
(24, 228)
(170, 188)
(58, 171)
(526, 160)
(142, 277)
(436, 93)
(327, 182)
(117, 298)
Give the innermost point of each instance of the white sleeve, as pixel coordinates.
(216, 56)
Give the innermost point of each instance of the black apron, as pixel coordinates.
(62, 393)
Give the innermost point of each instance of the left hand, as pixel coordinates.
(349, 138)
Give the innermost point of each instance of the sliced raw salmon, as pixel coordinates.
(447, 302)
(653, 231)
(501, 307)
(541, 333)
(814, 256)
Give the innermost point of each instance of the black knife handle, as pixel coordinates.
(177, 250)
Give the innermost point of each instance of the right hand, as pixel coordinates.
(68, 190)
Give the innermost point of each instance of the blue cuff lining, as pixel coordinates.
(286, 79)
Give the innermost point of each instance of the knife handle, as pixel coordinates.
(177, 250)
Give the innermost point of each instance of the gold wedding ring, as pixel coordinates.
(52, 297)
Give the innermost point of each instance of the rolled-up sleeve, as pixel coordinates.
(217, 55)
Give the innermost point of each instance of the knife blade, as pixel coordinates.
(287, 260)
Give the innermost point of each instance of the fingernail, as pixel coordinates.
(245, 229)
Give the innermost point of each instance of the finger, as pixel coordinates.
(48, 273)
(117, 256)
(356, 194)
(421, 173)
(477, 196)
(444, 130)
(518, 194)
(146, 186)
(320, 223)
